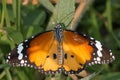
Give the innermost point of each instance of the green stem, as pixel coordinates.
(2, 75)
(109, 18)
(18, 3)
(7, 71)
(2, 18)
(115, 38)
(14, 8)
(5, 13)
(95, 24)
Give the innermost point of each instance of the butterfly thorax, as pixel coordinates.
(59, 38)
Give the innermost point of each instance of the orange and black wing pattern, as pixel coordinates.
(38, 52)
(86, 50)
(59, 51)
(77, 51)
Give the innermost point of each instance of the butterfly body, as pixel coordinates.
(60, 50)
(59, 39)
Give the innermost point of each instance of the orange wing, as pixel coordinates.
(43, 51)
(39, 52)
(77, 50)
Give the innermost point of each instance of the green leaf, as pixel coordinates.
(3, 66)
(63, 13)
(47, 4)
(32, 23)
(2, 74)
(60, 77)
(110, 76)
(95, 25)
(4, 46)
(91, 76)
(35, 17)
(6, 12)
(14, 35)
(33, 30)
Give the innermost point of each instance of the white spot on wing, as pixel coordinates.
(19, 50)
(28, 65)
(89, 64)
(26, 40)
(94, 59)
(113, 57)
(99, 47)
(32, 36)
(91, 38)
(25, 64)
(9, 54)
(22, 61)
(92, 63)
(99, 53)
(95, 62)
(98, 59)
(8, 57)
(21, 65)
(25, 61)
(84, 34)
(7, 60)
(93, 53)
(20, 56)
(98, 62)
(111, 54)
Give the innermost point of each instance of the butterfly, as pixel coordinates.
(59, 51)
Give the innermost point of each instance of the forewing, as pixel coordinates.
(32, 52)
(77, 50)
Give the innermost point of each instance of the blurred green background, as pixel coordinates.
(100, 19)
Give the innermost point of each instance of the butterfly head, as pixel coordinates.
(58, 32)
(59, 26)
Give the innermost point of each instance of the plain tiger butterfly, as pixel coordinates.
(59, 51)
